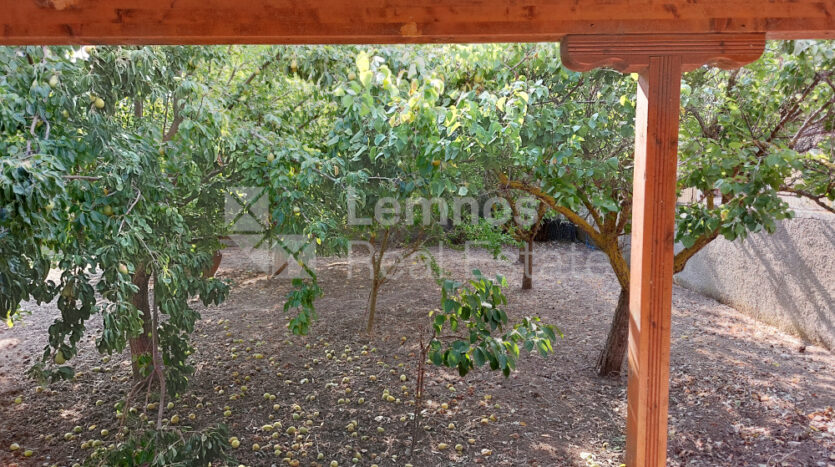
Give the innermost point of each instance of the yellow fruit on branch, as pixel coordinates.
(67, 291)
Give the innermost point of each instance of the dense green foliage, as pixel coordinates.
(477, 308)
(164, 448)
(100, 185)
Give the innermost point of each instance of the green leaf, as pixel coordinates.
(362, 62)
(366, 77)
(478, 356)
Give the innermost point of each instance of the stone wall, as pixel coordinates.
(786, 279)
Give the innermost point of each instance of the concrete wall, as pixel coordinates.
(786, 279)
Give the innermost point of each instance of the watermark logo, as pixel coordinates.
(496, 211)
(252, 228)
(247, 212)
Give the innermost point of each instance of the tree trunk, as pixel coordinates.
(611, 357)
(377, 280)
(527, 274)
(141, 345)
(375, 288)
(210, 271)
(372, 306)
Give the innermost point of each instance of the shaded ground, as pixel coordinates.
(742, 393)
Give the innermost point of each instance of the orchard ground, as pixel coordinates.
(741, 393)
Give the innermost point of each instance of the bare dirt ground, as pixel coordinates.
(742, 393)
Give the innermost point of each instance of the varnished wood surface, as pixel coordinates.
(632, 52)
(651, 284)
(390, 21)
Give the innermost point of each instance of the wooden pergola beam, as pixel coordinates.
(396, 21)
(659, 60)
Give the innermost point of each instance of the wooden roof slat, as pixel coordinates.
(388, 21)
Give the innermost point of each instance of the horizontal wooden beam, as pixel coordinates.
(396, 21)
(632, 53)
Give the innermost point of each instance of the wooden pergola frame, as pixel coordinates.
(658, 39)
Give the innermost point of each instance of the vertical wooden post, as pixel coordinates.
(651, 275)
(659, 59)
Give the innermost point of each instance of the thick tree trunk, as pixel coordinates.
(211, 270)
(142, 344)
(611, 357)
(527, 271)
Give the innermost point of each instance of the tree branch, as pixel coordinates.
(680, 260)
